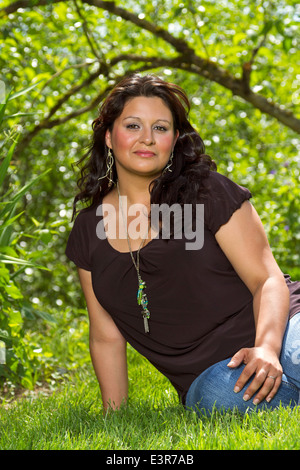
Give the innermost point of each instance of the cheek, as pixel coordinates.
(121, 138)
(166, 143)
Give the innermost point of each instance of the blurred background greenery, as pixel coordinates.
(237, 61)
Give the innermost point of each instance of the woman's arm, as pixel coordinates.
(107, 347)
(245, 244)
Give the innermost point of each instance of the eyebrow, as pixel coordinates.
(136, 117)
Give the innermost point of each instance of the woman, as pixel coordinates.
(220, 321)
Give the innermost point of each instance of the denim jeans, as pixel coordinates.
(213, 388)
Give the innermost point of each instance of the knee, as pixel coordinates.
(213, 389)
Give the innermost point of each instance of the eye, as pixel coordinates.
(161, 128)
(132, 126)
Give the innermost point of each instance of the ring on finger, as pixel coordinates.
(271, 377)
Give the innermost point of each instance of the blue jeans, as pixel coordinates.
(213, 388)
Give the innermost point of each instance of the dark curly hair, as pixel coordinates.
(190, 163)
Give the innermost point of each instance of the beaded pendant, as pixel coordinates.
(143, 301)
(141, 296)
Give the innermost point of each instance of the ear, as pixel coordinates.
(108, 138)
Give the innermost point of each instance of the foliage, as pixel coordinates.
(234, 58)
(21, 365)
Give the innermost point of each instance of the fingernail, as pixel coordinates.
(236, 389)
(255, 401)
(268, 399)
(231, 363)
(246, 397)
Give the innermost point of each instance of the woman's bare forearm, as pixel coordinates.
(271, 308)
(107, 348)
(110, 365)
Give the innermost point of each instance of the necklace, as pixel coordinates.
(142, 299)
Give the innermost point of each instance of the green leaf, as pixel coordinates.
(15, 319)
(3, 107)
(23, 91)
(2, 111)
(13, 291)
(5, 164)
(287, 44)
(19, 115)
(10, 222)
(267, 27)
(13, 260)
(9, 206)
(30, 312)
(4, 335)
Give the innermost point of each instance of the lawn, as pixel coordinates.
(71, 418)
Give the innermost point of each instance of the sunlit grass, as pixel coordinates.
(72, 418)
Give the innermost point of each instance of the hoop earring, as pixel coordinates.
(109, 166)
(168, 167)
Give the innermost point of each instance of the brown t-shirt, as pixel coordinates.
(201, 311)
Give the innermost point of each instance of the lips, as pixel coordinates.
(144, 153)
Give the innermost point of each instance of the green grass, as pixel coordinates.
(71, 418)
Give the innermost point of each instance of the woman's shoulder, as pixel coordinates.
(83, 237)
(219, 183)
(87, 214)
(85, 223)
(221, 197)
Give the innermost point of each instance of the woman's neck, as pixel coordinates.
(135, 189)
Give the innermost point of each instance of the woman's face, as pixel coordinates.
(143, 136)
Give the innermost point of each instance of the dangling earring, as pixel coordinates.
(109, 166)
(168, 167)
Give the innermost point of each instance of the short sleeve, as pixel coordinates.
(78, 244)
(223, 198)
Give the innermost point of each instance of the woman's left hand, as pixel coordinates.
(262, 362)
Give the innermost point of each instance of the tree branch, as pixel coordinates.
(247, 66)
(187, 60)
(89, 36)
(73, 90)
(49, 123)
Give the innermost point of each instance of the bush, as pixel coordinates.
(21, 365)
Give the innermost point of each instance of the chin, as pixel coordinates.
(148, 171)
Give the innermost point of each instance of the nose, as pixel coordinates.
(147, 136)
